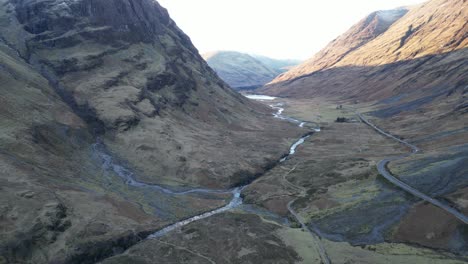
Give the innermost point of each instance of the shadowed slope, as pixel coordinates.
(125, 66)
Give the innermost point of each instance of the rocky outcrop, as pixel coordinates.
(127, 69)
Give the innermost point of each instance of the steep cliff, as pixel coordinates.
(83, 81)
(130, 72)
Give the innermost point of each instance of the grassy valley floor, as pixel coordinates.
(333, 184)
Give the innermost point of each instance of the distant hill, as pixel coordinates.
(277, 64)
(243, 71)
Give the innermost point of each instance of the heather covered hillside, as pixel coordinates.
(120, 143)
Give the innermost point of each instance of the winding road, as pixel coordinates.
(110, 164)
(383, 170)
(302, 193)
(320, 248)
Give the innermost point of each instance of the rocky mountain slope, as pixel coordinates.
(127, 70)
(409, 76)
(357, 36)
(388, 53)
(242, 70)
(83, 81)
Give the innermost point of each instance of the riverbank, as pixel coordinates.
(336, 168)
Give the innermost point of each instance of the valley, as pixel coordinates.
(121, 143)
(287, 215)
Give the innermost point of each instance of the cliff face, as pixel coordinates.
(389, 53)
(127, 69)
(78, 72)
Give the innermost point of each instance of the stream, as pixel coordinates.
(110, 164)
(279, 115)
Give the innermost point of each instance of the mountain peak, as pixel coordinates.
(389, 36)
(386, 53)
(358, 35)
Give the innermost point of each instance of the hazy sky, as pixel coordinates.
(274, 28)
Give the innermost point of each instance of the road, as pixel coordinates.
(302, 193)
(383, 170)
(320, 248)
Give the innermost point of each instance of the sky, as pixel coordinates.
(292, 29)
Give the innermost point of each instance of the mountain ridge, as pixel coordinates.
(245, 71)
(118, 88)
(360, 34)
(431, 32)
(83, 77)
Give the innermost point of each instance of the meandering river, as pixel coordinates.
(110, 164)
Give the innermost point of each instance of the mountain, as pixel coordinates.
(406, 71)
(389, 53)
(277, 64)
(357, 36)
(242, 70)
(104, 105)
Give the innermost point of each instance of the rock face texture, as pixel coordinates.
(244, 71)
(127, 70)
(77, 72)
(398, 52)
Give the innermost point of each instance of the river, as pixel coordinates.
(110, 164)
